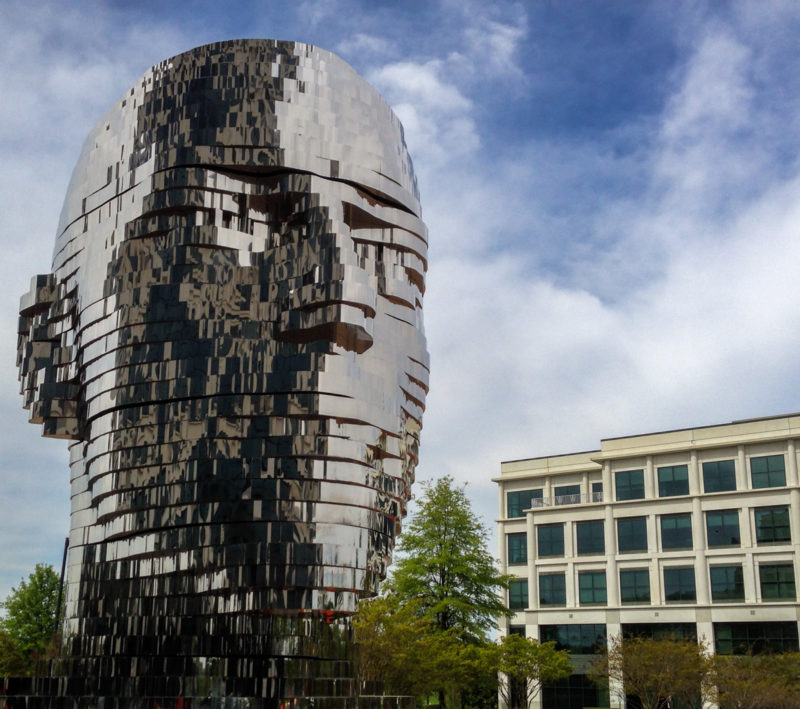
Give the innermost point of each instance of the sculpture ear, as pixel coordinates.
(46, 358)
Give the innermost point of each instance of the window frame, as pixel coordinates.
(514, 537)
(631, 489)
(518, 507)
(672, 487)
(584, 527)
(539, 541)
(630, 520)
(561, 592)
(778, 583)
(681, 587)
(518, 598)
(674, 532)
(719, 476)
(772, 509)
(597, 591)
(772, 475)
(726, 594)
(724, 528)
(636, 585)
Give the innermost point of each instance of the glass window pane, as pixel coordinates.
(755, 638)
(727, 583)
(520, 500)
(591, 587)
(768, 471)
(550, 539)
(676, 531)
(632, 534)
(629, 484)
(517, 548)
(673, 480)
(634, 586)
(552, 590)
(722, 528)
(567, 494)
(679, 584)
(772, 525)
(591, 538)
(777, 582)
(518, 594)
(580, 639)
(719, 476)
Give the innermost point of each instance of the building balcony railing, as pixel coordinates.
(579, 499)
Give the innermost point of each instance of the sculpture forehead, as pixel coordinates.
(258, 105)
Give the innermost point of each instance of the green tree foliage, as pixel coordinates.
(403, 650)
(527, 665)
(756, 681)
(427, 633)
(26, 627)
(445, 568)
(655, 670)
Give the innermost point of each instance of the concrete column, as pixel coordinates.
(695, 478)
(533, 591)
(586, 489)
(608, 483)
(701, 579)
(791, 468)
(742, 474)
(650, 485)
(612, 575)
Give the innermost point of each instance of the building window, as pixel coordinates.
(673, 480)
(777, 582)
(597, 492)
(632, 534)
(727, 583)
(579, 639)
(722, 528)
(591, 587)
(661, 631)
(517, 548)
(591, 538)
(518, 594)
(567, 494)
(719, 476)
(679, 584)
(630, 484)
(552, 590)
(772, 525)
(550, 539)
(520, 500)
(744, 638)
(517, 630)
(634, 586)
(676, 532)
(767, 471)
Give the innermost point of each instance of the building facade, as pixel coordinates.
(694, 533)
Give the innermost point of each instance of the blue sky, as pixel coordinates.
(611, 188)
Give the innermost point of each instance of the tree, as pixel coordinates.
(403, 651)
(756, 681)
(655, 669)
(527, 665)
(26, 630)
(445, 567)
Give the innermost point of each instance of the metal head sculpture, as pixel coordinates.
(231, 338)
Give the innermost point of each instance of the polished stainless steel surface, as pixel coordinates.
(232, 339)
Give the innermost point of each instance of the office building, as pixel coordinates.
(693, 533)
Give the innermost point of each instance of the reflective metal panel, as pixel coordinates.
(232, 339)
